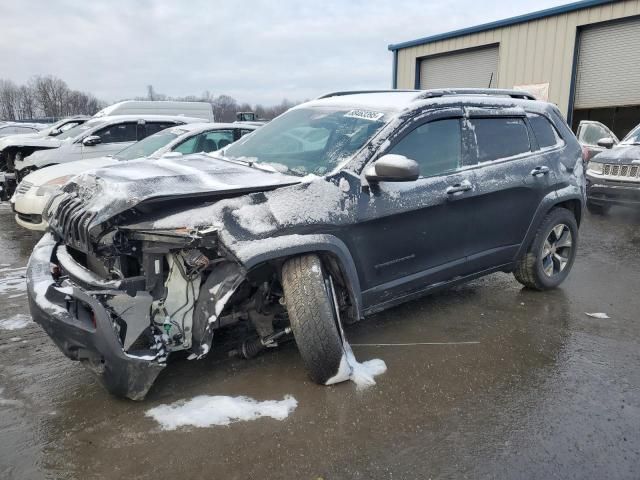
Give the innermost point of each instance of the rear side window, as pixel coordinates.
(545, 133)
(436, 146)
(121, 132)
(500, 138)
(155, 127)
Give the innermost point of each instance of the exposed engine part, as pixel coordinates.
(173, 314)
(195, 260)
(251, 348)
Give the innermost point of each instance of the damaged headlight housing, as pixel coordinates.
(594, 167)
(52, 185)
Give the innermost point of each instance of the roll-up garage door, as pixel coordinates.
(472, 68)
(609, 65)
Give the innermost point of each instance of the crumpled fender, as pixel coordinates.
(215, 291)
(254, 252)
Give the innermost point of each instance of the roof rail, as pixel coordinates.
(356, 92)
(495, 92)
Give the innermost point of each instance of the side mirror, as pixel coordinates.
(606, 142)
(393, 168)
(55, 132)
(92, 140)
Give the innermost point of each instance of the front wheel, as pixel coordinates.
(312, 316)
(551, 254)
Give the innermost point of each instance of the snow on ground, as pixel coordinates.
(362, 374)
(206, 411)
(16, 322)
(597, 315)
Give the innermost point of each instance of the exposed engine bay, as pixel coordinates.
(169, 291)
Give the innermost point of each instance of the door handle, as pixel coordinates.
(463, 186)
(539, 171)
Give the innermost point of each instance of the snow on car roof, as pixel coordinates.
(391, 101)
(193, 127)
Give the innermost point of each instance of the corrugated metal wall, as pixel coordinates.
(609, 65)
(470, 68)
(540, 51)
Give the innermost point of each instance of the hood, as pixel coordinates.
(42, 176)
(620, 154)
(149, 185)
(29, 140)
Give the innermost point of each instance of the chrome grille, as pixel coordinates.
(71, 221)
(627, 172)
(23, 187)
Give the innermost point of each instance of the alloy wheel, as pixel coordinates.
(556, 250)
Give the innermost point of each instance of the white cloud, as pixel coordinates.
(256, 51)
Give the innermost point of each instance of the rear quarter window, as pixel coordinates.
(545, 132)
(498, 138)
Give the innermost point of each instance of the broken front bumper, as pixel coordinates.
(90, 339)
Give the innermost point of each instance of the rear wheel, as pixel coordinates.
(551, 254)
(597, 209)
(311, 313)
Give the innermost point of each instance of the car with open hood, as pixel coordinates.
(341, 207)
(34, 191)
(613, 176)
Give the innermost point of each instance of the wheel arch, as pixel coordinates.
(275, 251)
(574, 202)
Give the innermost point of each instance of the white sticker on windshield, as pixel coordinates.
(364, 114)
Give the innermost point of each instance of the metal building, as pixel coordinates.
(584, 57)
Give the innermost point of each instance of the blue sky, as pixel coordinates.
(256, 51)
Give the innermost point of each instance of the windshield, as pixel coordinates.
(633, 137)
(308, 140)
(79, 130)
(149, 145)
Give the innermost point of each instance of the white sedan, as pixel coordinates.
(35, 190)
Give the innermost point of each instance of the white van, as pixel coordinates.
(148, 107)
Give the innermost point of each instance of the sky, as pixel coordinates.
(256, 51)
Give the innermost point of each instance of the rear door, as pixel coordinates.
(511, 176)
(412, 234)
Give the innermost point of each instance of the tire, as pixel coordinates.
(534, 268)
(311, 313)
(597, 209)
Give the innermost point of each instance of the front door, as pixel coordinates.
(113, 138)
(412, 234)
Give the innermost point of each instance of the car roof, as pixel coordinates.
(396, 101)
(202, 126)
(120, 118)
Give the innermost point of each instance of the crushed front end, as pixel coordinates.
(121, 300)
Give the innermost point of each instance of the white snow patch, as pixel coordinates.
(362, 374)
(597, 315)
(16, 322)
(205, 411)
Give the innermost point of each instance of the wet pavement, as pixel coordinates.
(546, 392)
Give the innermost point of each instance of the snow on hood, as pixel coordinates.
(44, 175)
(620, 154)
(313, 201)
(114, 189)
(29, 140)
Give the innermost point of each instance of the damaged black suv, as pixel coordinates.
(342, 206)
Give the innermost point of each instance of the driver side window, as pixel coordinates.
(436, 146)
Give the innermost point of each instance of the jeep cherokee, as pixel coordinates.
(342, 206)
